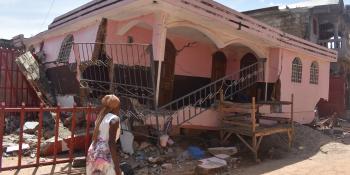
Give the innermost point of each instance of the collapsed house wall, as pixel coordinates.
(14, 88)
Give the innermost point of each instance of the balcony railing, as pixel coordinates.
(339, 45)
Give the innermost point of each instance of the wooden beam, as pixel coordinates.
(245, 142)
(253, 115)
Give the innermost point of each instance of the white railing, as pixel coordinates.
(339, 45)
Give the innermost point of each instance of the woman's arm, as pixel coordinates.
(113, 127)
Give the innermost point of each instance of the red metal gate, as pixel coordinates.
(73, 141)
(14, 88)
(337, 97)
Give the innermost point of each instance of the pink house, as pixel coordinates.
(177, 55)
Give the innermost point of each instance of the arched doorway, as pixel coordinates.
(167, 74)
(247, 60)
(218, 68)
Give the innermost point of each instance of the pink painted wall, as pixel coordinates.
(193, 61)
(273, 65)
(136, 54)
(52, 45)
(306, 95)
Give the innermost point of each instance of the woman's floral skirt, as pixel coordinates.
(99, 159)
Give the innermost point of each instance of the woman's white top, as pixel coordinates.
(104, 126)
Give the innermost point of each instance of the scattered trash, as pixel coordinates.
(126, 140)
(163, 139)
(195, 152)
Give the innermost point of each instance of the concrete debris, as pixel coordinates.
(144, 145)
(15, 148)
(223, 150)
(223, 156)
(183, 156)
(156, 160)
(11, 124)
(30, 127)
(167, 166)
(36, 76)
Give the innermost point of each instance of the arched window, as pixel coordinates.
(66, 47)
(314, 73)
(297, 69)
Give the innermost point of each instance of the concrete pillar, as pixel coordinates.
(158, 42)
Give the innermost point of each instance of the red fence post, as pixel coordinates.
(72, 139)
(39, 134)
(57, 122)
(87, 136)
(2, 128)
(21, 136)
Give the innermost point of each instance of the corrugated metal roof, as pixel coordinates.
(312, 3)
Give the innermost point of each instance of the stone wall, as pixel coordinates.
(295, 22)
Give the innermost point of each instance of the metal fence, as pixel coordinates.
(72, 140)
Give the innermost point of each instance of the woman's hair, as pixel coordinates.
(109, 103)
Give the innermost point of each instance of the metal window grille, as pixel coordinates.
(297, 68)
(314, 73)
(65, 50)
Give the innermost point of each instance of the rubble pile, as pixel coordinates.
(11, 138)
(334, 126)
(180, 157)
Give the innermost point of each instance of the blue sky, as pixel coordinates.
(30, 17)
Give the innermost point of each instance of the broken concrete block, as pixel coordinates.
(156, 160)
(47, 147)
(223, 156)
(211, 165)
(30, 127)
(15, 148)
(223, 150)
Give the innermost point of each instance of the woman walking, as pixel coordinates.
(103, 157)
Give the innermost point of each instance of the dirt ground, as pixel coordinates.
(312, 153)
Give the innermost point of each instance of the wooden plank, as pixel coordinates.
(272, 131)
(279, 119)
(239, 123)
(237, 109)
(253, 115)
(274, 102)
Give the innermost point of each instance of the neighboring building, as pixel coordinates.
(325, 22)
(189, 51)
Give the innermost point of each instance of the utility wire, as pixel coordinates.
(47, 14)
